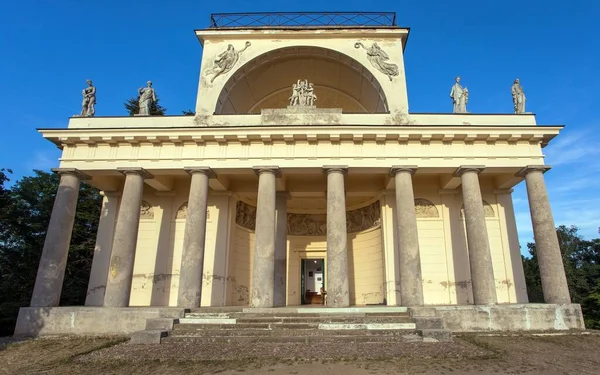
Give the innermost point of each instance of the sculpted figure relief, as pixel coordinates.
(378, 58)
(89, 100)
(518, 96)
(425, 208)
(225, 61)
(460, 97)
(303, 94)
(147, 97)
(245, 215)
(146, 211)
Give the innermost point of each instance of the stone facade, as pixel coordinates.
(404, 209)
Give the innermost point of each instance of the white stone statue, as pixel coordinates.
(302, 94)
(378, 59)
(89, 100)
(460, 97)
(518, 96)
(147, 97)
(225, 61)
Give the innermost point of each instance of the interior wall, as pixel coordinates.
(241, 259)
(365, 267)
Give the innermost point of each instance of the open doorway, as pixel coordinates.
(313, 281)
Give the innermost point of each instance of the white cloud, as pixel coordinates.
(43, 160)
(572, 148)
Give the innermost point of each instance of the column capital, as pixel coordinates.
(468, 168)
(72, 171)
(267, 169)
(395, 169)
(532, 168)
(135, 170)
(204, 170)
(343, 169)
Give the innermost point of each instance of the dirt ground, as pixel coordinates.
(468, 354)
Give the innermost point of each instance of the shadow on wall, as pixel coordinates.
(163, 264)
(460, 256)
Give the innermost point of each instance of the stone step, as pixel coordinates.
(292, 315)
(326, 320)
(289, 332)
(207, 321)
(314, 325)
(409, 337)
(326, 310)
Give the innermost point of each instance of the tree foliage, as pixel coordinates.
(132, 106)
(581, 259)
(26, 209)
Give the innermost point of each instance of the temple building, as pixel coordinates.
(304, 178)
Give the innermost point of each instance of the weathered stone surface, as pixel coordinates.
(79, 320)
(337, 241)
(436, 335)
(118, 286)
(409, 260)
(263, 272)
(281, 226)
(511, 317)
(552, 271)
(192, 258)
(51, 270)
(147, 337)
(480, 258)
(165, 324)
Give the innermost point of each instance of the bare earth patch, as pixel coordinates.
(468, 354)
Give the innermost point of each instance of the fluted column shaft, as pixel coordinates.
(192, 257)
(51, 271)
(118, 285)
(263, 273)
(411, 288)
(480, 257)
(279, 296)
(337, 239)
(552, 271)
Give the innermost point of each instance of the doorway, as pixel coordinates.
(313, 281)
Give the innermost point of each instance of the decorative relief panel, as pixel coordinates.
(314, 224)
(425, 208)
(182, 212)
(487, 209)
(146, 211)
(225, 61)
(245, 215)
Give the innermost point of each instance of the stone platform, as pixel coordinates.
(76, 320)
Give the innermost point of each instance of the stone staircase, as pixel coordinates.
(294, 325)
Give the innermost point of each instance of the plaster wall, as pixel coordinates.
(159, 248)
(262, 42)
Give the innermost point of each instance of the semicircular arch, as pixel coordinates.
(266, 82)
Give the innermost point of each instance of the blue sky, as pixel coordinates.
(49, 48)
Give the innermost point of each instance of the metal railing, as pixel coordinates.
(303, 19)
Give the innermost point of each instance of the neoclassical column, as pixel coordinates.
(480, 257)
(263, 273)
(338, 294)
(552, 271)
(279, 296)
(411, 288)
(192, 257)
(51, 271)
(118, 285)
(102, 250)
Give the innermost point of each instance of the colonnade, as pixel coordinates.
(269, 273)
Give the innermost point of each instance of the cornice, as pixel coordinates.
(291, 134)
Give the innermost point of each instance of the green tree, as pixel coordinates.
(188, 112)
(22, 233)
(581, 259)
(133, 107)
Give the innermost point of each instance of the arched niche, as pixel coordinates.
(266, 82)
(181, 213)
(488, 210)
(425, 209)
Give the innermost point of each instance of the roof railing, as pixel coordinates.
(302, 19)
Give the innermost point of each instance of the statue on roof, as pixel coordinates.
(225, 61)
(460, 97)
(378, 58)
(89, 100)
(518, 96)
(147, 97)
